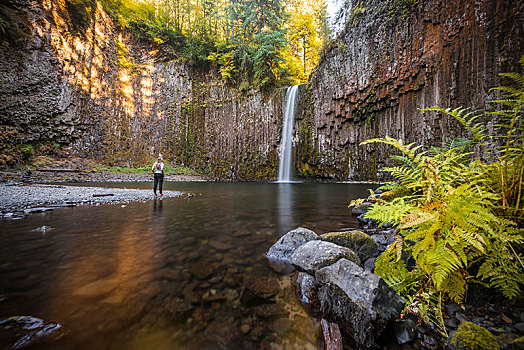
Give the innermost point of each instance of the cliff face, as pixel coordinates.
(385, 66)
(103, 94)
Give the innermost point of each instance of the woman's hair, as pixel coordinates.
(158, 162)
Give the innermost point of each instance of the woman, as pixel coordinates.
(158, 173)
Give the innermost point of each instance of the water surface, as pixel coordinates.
(170, 273)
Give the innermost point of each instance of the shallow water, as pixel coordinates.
(170, 273)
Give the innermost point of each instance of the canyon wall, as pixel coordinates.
(102, 94)
(389, 62)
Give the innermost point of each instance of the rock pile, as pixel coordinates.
(333, 281)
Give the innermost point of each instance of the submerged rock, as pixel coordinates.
(314, 255)
(360, 301)
(280, 252)
(258, 290)
(361, 243)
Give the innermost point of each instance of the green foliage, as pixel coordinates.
(458, 218)
(246, 40)
(469, 336)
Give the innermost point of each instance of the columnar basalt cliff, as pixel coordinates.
(104, 94)
(97, 90)
(391, 61)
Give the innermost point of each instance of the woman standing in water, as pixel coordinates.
(158, 173)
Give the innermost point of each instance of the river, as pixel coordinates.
(170, 273)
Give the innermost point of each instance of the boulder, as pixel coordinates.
(361, 208)
(359, 242)
(315, 255)
(358, 300)
(279, 254)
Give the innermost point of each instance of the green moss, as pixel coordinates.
(362, 244)
(469, 336)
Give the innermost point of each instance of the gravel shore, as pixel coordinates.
(16, 200)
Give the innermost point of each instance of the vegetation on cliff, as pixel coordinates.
(459, 219)
(266, 43)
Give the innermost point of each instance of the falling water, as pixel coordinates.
(286, 143)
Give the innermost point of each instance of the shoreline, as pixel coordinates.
(18, 200)
(39, 176)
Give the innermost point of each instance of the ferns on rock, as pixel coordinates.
(459, 219)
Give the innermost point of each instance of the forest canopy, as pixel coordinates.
(266, 43)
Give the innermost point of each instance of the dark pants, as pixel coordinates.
(159, 180)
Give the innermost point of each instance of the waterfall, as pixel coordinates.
(286, 142)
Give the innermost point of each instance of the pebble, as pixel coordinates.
(245, 328)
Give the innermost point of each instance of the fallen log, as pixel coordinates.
(332, 335)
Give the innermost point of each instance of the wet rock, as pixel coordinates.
(314, 255)
(461, 317)
(361, 208)
(280, 252)
(519, 326)
(405, 330)
(23, 322)
(369, 264)
(43, 229)
(451, 309)
(215, 280)
(451, 322)
(360, 301)
(34, 330)
(361, 243)
(308, 287)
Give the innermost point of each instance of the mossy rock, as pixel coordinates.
(359, 242)
(469, 336)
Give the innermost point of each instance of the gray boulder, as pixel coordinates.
(359, 242)
(314, 255)
(279, 254)
(360, 301)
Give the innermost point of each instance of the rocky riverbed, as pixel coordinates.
(17, 200)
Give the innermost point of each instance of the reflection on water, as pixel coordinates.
(285, 206)
(172, 273)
